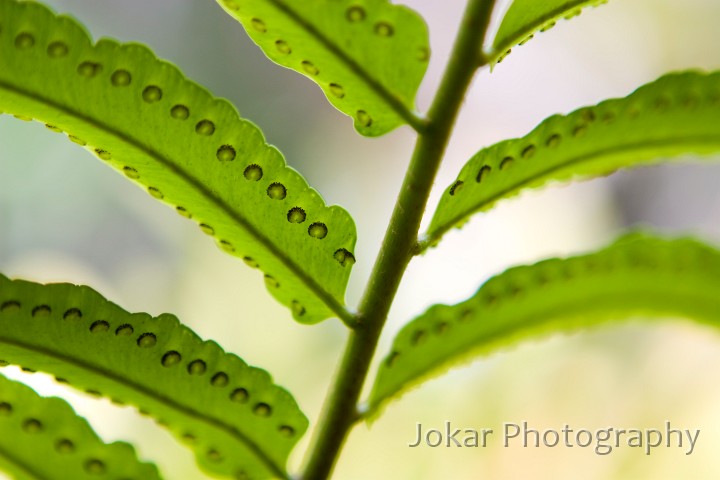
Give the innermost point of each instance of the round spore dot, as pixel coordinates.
(392, 359)
(253, 172)
(205, 127)
(152, 94)
(456, 187)
(155, 193)
(64, 446)
(296, 215)
(355, 14)
(24, 40)
(553, 141)
(297, 308)
(310, 68)
(183, 212)
(57, 50)
(89, 69)
(344, 257)
(147, 340)
(423, 54)
(363, 118)
(124, 330)
(220, 379)
(77, 140)
(41, 311)
(483, 173)
(239, 395)
(318, 230)
(5, 409)
(226, 246)
(277, 191)
(337, 90)
(207, 229)
(384, 29)
(283, 47)
(441, 327)
(226, 153)
(287, 431)
(99, 326)
(262, 410)
(72, 314)
(10, 306)
(103, 154)
(180, 112)
(32, 425)
(131, 173)
(95, 467)
(258, 25)
(196, 367)
(417, 337)
(121, 78)
(171, 358)
(250, 262)
(214, 456)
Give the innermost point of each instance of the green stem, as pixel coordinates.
(399, 245)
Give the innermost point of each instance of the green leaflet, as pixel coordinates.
(526, 17)
(185, 147)
(43, 438)
(674, 115)
(368, 56)
(635, 277)
(233, 417)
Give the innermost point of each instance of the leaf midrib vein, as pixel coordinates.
(686, 140)
(170, 403)
(532, 26)
(375, 85)
(492, 336)
(319, 291)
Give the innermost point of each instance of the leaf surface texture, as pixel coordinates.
(184, 147)
(230, 414)
(525, 18)
(368, 56)
(639, 276)
(43, 438)
(676, 115)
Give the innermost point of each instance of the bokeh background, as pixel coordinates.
(64, 216)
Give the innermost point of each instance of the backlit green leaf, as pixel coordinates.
(368, 56)
(184, 147)
(637, 277)
(525, 18)
(233, 417)
(43, 438)
(678, 114)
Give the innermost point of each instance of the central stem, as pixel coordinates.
(399, 245)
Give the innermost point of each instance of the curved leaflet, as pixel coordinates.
(368, 56)
(184, 147)
(525, 18)
(238, 423)
(33, 427)
(638, 276)
(675, 115)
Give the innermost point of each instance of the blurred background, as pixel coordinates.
(64, 216)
